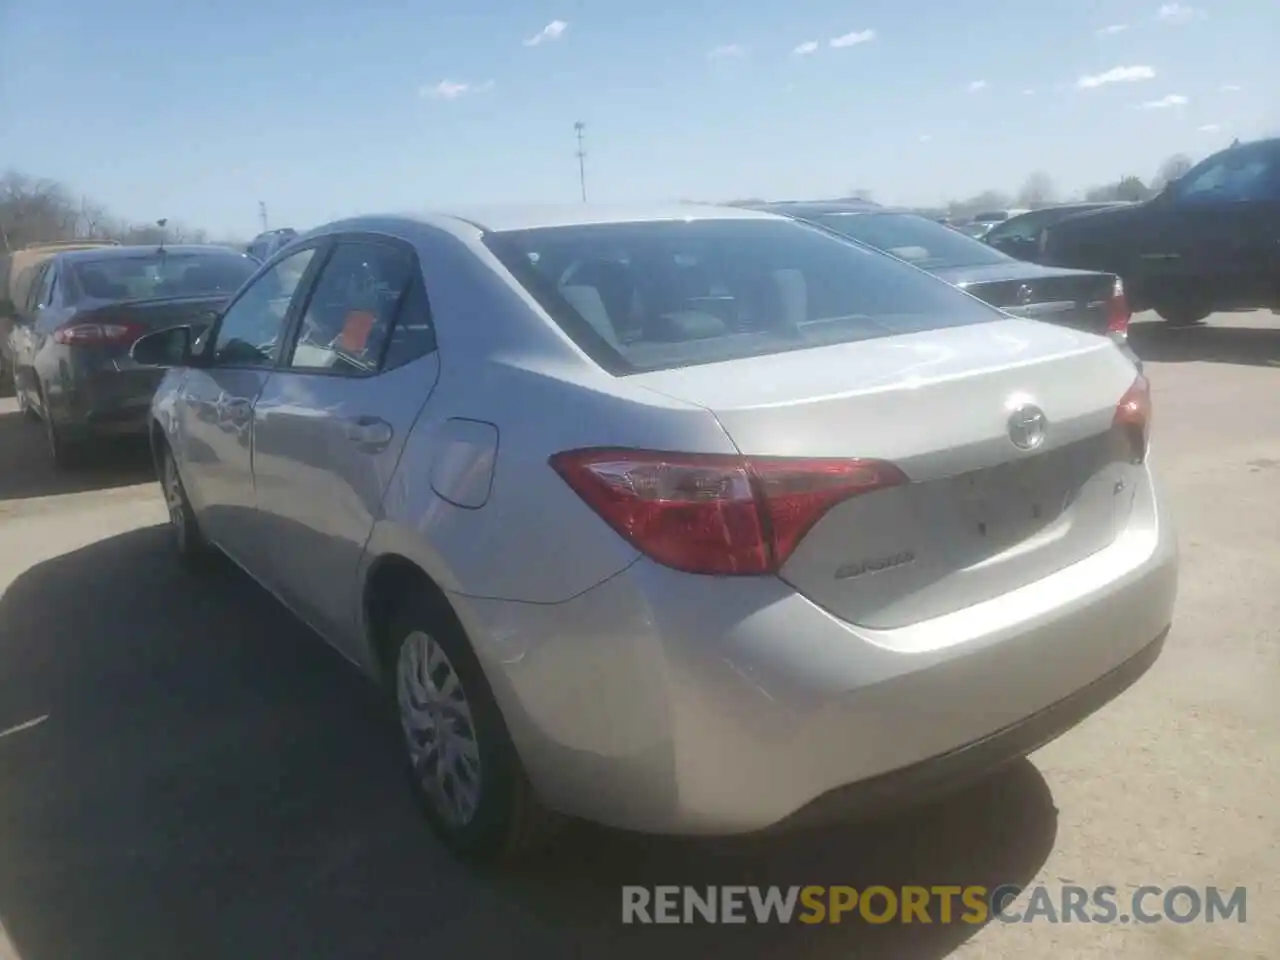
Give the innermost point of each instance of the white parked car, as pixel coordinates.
(685, 520)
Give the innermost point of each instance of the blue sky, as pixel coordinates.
(324, 108)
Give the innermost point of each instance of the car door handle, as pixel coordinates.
(370, 433)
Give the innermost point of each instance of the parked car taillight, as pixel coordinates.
(711, 513)
(1132, 420)
(1118, 312)
(84, 333)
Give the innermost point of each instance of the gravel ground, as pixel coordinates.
(185, 771)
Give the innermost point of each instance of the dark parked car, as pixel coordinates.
(1085, 300)
(264, 245)
(82, 312)
(1209, 241)
(1020, 236)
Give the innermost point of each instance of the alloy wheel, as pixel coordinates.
(438, 728)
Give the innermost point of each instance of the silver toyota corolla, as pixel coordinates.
(683, 520)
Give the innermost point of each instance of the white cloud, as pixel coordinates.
(806, 48)
(1029, 92)
(552, 31)
(1178, 13)
(727, 50)
(1164, 103)
(1113, 29)
(1116, 75)
(1231, 88)
(1210, 128)
(452, 89)
(976, 86)
(853, 39)
(926, 137)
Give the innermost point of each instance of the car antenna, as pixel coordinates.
(161, 223)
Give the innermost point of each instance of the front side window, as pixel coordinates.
(354, 308)
(655, 295)
(1232, 177)
(251, 331)
(1025, 227)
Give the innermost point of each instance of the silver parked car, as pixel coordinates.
(688, 520)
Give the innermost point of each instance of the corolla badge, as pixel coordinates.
(1027, 425)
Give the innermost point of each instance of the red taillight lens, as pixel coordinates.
(1118, 312)
(1132, 419)
(715, 514)
(121, 333)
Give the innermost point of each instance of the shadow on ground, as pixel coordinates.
(210, 780)
(1251, 346)
(29, 472)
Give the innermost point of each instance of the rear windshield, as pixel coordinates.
(656, 295)
(157, 275)
(924, 242)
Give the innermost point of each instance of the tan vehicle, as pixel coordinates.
(17, 270)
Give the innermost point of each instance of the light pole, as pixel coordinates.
(578, 129)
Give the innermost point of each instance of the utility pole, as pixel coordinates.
(262, 214)
(578, 128)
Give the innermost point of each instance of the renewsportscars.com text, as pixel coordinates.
(935, 904)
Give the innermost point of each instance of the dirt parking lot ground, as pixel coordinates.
(186, 772)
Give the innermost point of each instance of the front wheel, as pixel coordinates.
(463, 766)
(188, 541)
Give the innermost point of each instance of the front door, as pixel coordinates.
(330, 423)
(1214, 236)
(215, 407)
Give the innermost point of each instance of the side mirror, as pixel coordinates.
(164, 348)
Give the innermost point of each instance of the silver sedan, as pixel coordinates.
(682, 520)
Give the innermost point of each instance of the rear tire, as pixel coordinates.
(192, 548)
(66, 454)
(1183, 314)
(462, 764)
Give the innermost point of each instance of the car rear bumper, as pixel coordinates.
(112, 400)
(670, 703)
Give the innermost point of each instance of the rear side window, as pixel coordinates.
(662, 294)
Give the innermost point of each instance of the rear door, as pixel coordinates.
(1216, 232)
(331, 422)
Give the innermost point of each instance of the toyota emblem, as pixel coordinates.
(1025, 295)
(1027, 424)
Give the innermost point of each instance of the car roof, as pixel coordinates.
(465, 221)
(818, 208)
(124, 253)
(499, 219)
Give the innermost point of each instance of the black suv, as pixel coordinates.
(1209, 241)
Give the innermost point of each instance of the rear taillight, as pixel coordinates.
(1132, 420)
(115, 333)
(716, 514)
(1118, 312)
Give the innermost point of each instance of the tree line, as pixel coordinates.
(1038, 191)
(35, 210)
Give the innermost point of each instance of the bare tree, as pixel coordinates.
(1174, 168)
(1037, 191)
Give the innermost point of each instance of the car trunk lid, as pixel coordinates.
(979, 516)
(1078, 299)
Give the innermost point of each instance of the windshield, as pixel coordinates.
(650, 296)
(157, 275)
(920, 241)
